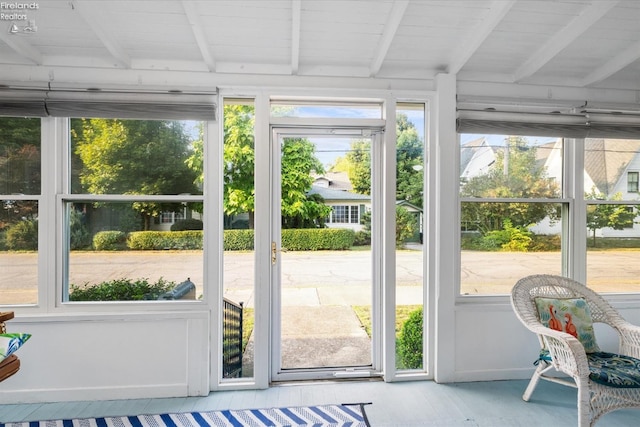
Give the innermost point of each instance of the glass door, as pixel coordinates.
(324, 292)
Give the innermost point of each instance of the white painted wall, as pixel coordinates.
(110, 356)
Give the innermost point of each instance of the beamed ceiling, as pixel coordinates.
(591, 44)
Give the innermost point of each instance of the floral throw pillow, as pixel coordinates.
(9, 343)
(570, 315)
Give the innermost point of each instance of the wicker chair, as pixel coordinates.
(600, 390)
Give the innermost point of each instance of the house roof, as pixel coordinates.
(605, 160)
(335, 180)
(329, 194)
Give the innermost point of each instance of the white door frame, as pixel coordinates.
(276, 373)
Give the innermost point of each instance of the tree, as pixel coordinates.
(359, 170)
(406, 225)
(19, 167)
(614, 216)
(515, 174)
(239, 161)
(135, 157)
(409, 161)
(298, 163)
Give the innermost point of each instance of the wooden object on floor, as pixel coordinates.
(11, 364)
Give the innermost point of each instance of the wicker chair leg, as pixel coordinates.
(540, 369)
(584, 408)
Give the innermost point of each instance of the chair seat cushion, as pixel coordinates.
(610, 369)
(614, 370)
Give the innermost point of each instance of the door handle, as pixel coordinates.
(274, 252)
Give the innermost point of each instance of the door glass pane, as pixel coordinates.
(326, 271)
(523, 237)
(611, 169)
(238, 257)
(331, 110)
(410, 165)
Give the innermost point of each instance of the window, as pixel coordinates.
(511, 210)
(611, 198)
(410, 202)
(238, 201)
(340, 214)
(632, 182)
(130, 182)
(345, 214)
(20, 190)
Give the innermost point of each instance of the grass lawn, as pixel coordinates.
(402, 314)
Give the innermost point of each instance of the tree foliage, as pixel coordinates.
(298, 209)
(515, 174)
(409, 161)
(298, 161)
(135, 157)
(239, 160)
(613, 216)
(19, 167)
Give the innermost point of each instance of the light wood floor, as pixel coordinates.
(424, 403)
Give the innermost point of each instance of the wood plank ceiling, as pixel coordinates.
(573, 43)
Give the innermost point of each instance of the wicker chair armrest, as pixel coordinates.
(629, 338)
(567, 352)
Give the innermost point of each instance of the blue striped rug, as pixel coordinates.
(345, 415)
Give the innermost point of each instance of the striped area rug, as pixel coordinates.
(345, 415)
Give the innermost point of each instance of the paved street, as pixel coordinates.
(313, 278)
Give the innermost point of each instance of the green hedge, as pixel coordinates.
(157, 240)
(238, 240)
(109, 241)
(308, 239)
(315, 239)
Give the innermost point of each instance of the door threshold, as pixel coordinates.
(288, 383)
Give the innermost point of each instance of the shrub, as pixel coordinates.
(238, 240)
(109, 240)
(510, 238)
(23, 236)
(120, 290)
(79, 237)
(314, 239)
(406, 225)
(362, 238)
(410, 341)
(187, 224)
(544, 242)
(158, 240)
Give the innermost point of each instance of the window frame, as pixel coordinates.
(633, 182)
(64, 197)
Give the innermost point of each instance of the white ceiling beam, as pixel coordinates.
(479, 34)
(390, 29)
(564, 38)
(295, 35)
(95, 23)
(22, 47)
(198, 32)
(617, 63)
